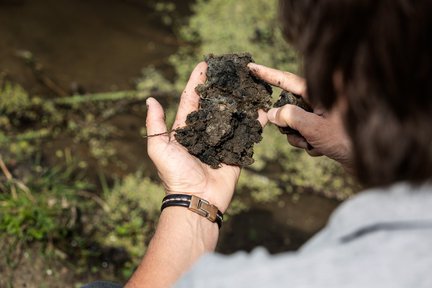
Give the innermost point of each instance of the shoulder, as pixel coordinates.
(369, 242)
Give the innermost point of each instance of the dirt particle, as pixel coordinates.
(293, 99)
(225, 127)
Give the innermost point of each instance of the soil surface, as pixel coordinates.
(293, 99)
(225, 127)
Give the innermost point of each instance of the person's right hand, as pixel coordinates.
(323, 132)
(180, 171)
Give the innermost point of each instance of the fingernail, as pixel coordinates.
(253, 67)
(303, 144)
(148, 100)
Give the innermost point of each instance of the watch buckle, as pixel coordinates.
(203, 208)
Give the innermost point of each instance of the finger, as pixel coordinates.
(189, 99)
(300, 142)
(155, 121)
(320, 111)
(296, 118)
(285, 80)
(297, 141)
(262, 117)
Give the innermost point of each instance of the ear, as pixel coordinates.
(341, 104)
(338, 83)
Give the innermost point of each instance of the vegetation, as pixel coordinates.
(65, 185)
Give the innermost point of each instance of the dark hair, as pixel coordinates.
(383, 50)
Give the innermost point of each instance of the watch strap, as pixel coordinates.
(194, 204)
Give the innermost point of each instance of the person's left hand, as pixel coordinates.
(179, 171)
(321, 132)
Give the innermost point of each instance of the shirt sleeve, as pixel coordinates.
(366, 262)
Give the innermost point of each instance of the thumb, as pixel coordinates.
(155, 121)
(295, 118)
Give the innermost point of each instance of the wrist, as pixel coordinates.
(202, 235)
(181, 238)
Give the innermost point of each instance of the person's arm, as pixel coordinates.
(321, 130)
(180, 239)
(182, 236)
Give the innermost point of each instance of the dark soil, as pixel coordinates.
(225, 127)
(293, 99)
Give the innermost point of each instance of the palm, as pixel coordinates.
(179, 171)
(184, 173)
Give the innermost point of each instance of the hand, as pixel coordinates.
(179, 171)
(181, 238)
(322, 132)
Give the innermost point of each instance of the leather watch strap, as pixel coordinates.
(195, 204)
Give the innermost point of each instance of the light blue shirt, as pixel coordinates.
(379, 238)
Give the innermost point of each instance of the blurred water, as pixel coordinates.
(101, 45)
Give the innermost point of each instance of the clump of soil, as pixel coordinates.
(293, 99)
(225, 127)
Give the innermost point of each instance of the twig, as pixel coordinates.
(106, 96)
(5, 170)
(14, 182)
(40, 74)
(24, 188)
(158, 134)
(95, 198)
(9, 177)
(109, 96)
(31, 135)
